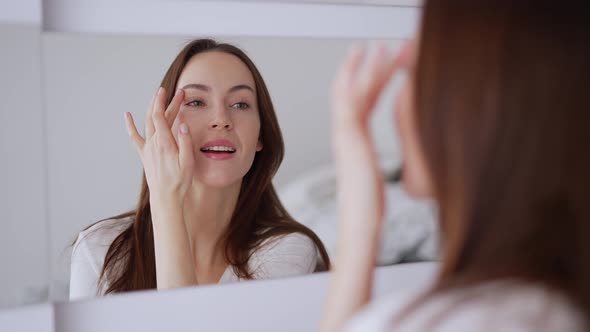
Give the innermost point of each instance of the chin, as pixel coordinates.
(219, 179)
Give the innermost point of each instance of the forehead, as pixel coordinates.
(217, 69)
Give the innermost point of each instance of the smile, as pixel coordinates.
(225, 149)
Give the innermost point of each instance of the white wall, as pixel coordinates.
(23, 234)
(93, 170)
(20, 12)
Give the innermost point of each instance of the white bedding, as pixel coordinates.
(410, 232)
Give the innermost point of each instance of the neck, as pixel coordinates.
(207, 214)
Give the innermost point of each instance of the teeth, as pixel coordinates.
(219, 149)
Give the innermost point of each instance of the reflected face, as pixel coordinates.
(415, 177)
(220, 108)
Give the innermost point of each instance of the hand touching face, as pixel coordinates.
(221, 110)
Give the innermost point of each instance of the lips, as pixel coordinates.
(219, 149)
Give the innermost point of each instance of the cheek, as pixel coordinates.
(405, 148)
(414, 171)
(249, 127)
(401, 117)
(410, 178)
(196, 124)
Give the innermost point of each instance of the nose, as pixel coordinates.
(221, 120)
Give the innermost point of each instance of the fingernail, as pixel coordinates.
(183, 128)
(127, 115)
(160, 89)
(178, 91)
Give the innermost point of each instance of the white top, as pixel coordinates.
(495, 306)
(291, 255)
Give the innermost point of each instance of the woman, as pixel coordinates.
(493, 124)
(207, 212)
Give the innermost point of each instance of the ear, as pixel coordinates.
(259, 146)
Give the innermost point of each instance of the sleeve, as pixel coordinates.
(290, 255)
(498, 307)
(83, 272)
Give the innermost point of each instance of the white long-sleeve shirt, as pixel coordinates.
(291, 255)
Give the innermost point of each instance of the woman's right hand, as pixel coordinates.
(168, 163)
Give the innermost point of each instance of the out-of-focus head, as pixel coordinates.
(494, 126)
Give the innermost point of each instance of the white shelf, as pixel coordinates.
(230, 18)
(20, 12)
(405, 3)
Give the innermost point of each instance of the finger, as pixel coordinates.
(385, 66)
(398, 62)
(185, 148)
(353, 62)
(403, 103)
(374, 64)
(134, 135)
(162, 128)
(174, 107)
(149, 123)
(349, 67)
(372, 75)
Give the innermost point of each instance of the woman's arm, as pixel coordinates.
(174, 261)
(356, 90)
(168, 166)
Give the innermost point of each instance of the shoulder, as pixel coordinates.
(496, 306)
(100, 235)
(283, 256)
(92, 244)
(88, 256)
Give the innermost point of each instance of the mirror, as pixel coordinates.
(95, 172)
(68, 161)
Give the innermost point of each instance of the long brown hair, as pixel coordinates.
(502, 116)
(258, 216)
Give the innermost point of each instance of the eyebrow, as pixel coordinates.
(207, 88)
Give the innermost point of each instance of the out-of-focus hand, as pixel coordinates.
(355, 92)
(360, 82)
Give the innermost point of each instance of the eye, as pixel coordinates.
(240, 106)
(195, 103)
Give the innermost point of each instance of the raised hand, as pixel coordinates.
(168, 163)
(360, 81)
(355, 92)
